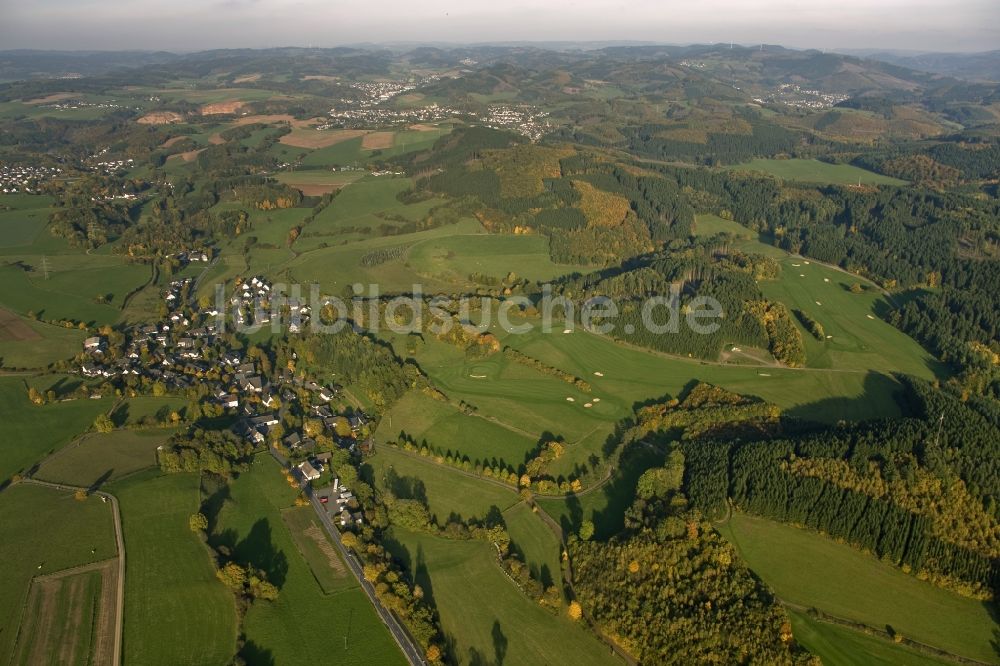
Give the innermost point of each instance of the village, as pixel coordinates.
(25, 178)
(299, 419)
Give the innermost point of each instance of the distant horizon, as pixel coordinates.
(184, 26)
(569, 44)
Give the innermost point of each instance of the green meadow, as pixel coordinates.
(511, 628)
(455, 258)
(445, 489)
(47, 531)
(305, 624)
(169, 576)
(53, 343)
(841, 646)
(33, 431)
(535, 542)
(809, 569)
(103, 457)
(814, 171)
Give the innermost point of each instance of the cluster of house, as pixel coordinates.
(179, 356)
(382, 116)
(23, 178)
(527, 120)
(336, 499)
(254, 302)
(791, 94)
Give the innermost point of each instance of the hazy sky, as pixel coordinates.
(952, 25)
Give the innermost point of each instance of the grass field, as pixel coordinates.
(488, 619)
(444, 425)
(454, 258)
(317, 549)
(304, 625)
(73, 286)
(24, 221)
(535, 541)
(360, 205)
(841, 646)
(40, 345)
(169, 577)
(809, 569)
(445, 489)
(317, 181)
(814, 171)
(103, 457)
(46, 531)
(31, 432)
(69, 617)
(331, 261)
(858, 338)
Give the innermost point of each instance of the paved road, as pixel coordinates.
(120, 595)
(412, 652)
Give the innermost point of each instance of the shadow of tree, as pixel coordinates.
(257, 548)
(255, 655)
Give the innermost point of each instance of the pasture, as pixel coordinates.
(69, 617)
(103, 457)
(806, 568)
(88, 288)
(317, 549)
(48, 531)
(33, 431)
(445, 426)
(455, 258)
(511, 628)
(25, 343)
(338, 266)
(535, 542)
(814, 171)
(446, 490)
(304, 624)
(169, 576)
(315, 182)
(842, 646)
(22, 218)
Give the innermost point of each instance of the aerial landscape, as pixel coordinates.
(466, 337)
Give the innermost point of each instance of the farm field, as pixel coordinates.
(22, 218)
(317, 549)
(841, 646)
(304, 624)
(510, 628)
(33, 431)
(25, 343)
(534, 540)
(169, 576)
(337, 267)
(814, 171)
(74, 284)
(455, 258)
(316, 181)
(69, 617)
(103, 457)
(445, 489)
(76, 533)
(812, 570)
(444, 426)
(361, 204)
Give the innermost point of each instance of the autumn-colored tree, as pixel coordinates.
(198, 522)
(575, 611)
(232, 576)
(103, 423)
(80, 495)
(35, 397)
